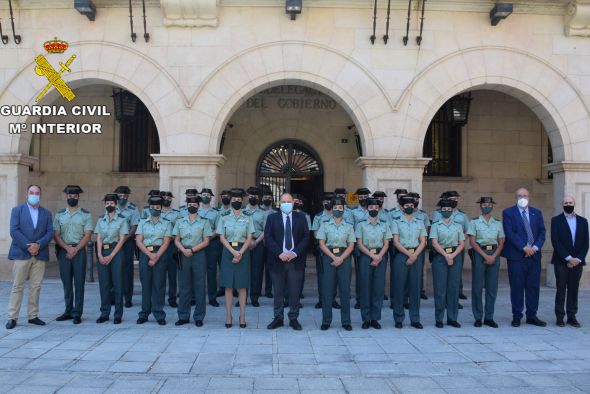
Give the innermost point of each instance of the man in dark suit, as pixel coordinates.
(286, 236)
(31, 229)
(525, 236)
(569, 236)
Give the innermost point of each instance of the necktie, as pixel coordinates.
(288, 234)
(527, 227)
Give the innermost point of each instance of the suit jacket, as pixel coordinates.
(23, 233)
(563, 244)
(516, 237)
(274, 233)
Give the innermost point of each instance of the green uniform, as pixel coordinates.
(129, 211)
(337, 236)
(446, 279)
(394, 214)
(72, 226)
(110, 277)
(191, 276)
(213, 250)
(257, 254)
(315, 226)
(267, 278)
(487, 234)
(423, 216)
(171, 257)
(372, 279)
(235, 229)
(153, 279)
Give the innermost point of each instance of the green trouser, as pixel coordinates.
(406, 276)
(191, 284)
(372, 287)
(392, 252)
(169, 258)
(484, 275)
(446, 280)
(110, 278)
(213, 252)
(73, 277)
(357, 289)
(128, 270)
(336, 277)
(422, 291)
(256, 271)
(153, 287)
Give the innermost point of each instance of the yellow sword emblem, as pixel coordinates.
(44, 68)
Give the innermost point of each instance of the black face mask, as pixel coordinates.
(267, 202)
(363, 202)
(225, 200)
(373, 213)
(192, 209)
(72, 202)
(253, 201)
(328, 206)
(236, 205)
(409, 210)
(297, 206)
(110, 208)
(166, 203)
(568, 209)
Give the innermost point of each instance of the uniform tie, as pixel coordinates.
(527, 227)
(288, 234)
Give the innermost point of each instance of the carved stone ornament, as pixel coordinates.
(190, 13)
(577, 18)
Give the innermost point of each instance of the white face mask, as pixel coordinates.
(523, 203)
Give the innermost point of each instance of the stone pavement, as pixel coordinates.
(92, 358)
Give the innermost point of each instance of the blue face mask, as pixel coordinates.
(286, 207)
(486, 210)
(206, 199)
(155, 212)
(337, 213)
(33, 199)
(446, 214)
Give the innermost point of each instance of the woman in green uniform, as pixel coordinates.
(337, 239)
(152, 238)
(236, 230)
(486, 237)
(373, 236)
(191, 237)
(448, 241)
(111, 230)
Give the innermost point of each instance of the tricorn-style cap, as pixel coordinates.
(122, 190)
(207, 190)
(73, 189)
(362, 191)
(110, 197)
(485, 200)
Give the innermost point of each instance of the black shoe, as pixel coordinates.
(398, 325)
(391, 306)
(462, 296)
(199, 323)
(102, 319)
(113, 301)
(490, 323)
(439, 324)
(276, 323)
(242, 325)
(318, 305)
(423, 296)
(117, 320)
(366, 325)
(535, 321)
(193, 302)
(77, 320)
(460, 306)
(220, 293)
(301, 296)
(477, 323)
(385, 298)
(336, 305)
(10, 324)
(406, 305)
(173, 303)
(214, 303)
(515, 322)
(128, 304)
(375, 324)
(228, 325)
(300, 305)
(453, 323)
(255, 303)
(357, 306)
(268, 294)
(162, 322)
(238, 303)
(285, 303)
(235, 293)
(347, 327)
(324, 327)
(417, 325)
(181, 322)
(295, 325)
(36, 321)
(573, 322)
(141, 320)
(63, 317)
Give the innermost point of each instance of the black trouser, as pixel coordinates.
(256, 271)
(212, 252)
(169, 258)
(567, 282)
(110, 278)
(153, 287)
(267, 276)
(286, 277)
(128, 251)
(191, 281)
(73, 278)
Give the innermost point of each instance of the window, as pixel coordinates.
(138, 139)
(443, 145)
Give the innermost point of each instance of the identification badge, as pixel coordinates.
(489, 247)
(336, 250)
(449, 250)
(106, 247)
(411, 250)
(234, 244)
(373, 251)
(150, 248)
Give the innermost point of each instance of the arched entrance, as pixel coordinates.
(293, 167)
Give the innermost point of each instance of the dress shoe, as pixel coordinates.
(10, 324)
(268, 294)
(112, 301)
(214, 303)
(63, 317)
(477, 323)
(193, 302)
(220, 293)
(375, 324)
(294, 323)
(324, 327)
(385, 298)
(398, 325)
(366, 325)
(141, 320)
(228, 325)
(301, 296)
(36, 321)
(117, 320)
(390, 306)
(102, 319)
(347, 327)
(276, 323)
(535, 321)
(242, 325)
(490, 323)
(318, 305)
(417, 325)
(439, 324)
(357, 306)
(573, 322)
(453, 323)
(238, 303)
(406, 305)
(459, 306)
(199, 323)
(255, 303)
(77, 320)
(235, 293)
(515, 322)
(423, 296)
(559, 322)
(162, 322)
(173, 303)
(128, 304)
(336, 305)
(180, 322)
(462, 296)
(285, 303)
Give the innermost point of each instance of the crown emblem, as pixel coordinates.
(55, 46)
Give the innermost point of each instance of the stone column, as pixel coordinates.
(179, 172)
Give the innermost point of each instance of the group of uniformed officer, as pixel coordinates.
(187, 246)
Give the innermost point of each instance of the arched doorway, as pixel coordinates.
(292, 166)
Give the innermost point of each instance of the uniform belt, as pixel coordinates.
(488, 247)
(73, 245)
(411, 250)
(107, 246)
(375, 250)
(236, 244)
(450, 249)
(336, 250)
(153, 248)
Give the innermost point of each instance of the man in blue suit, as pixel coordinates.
(31, 229)
(525, 236)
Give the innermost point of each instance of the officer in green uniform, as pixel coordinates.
(298, 206)
(395, 213)
(409, 237)
(153, 238)
(213, 249)
(373, 237)
(129, 211)
(359, 214)
(267, 207)
(191, 236)
(111, 232)
(340, 193)
(72, 230)
(320, 217)
(423, 217)
(236, 231)
(188, 193)
(225, 207)
(145, 212)
(384, 215)
(486, 237)
(337, 239)
(171, 257)
(256, 247)
(448, 241)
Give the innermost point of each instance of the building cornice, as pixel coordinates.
(184, 159)
(388, 162)
(568, 166)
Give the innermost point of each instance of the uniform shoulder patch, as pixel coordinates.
(225, 213)
(61, 210)
(103, 215)
(458, 209)
(175, 210)
(146, 207)
(121, 216)
(83, 210)
(247, 213)
(164, 219)
(475, 218)
(131, 205)
(215, 209)
(383, 220)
